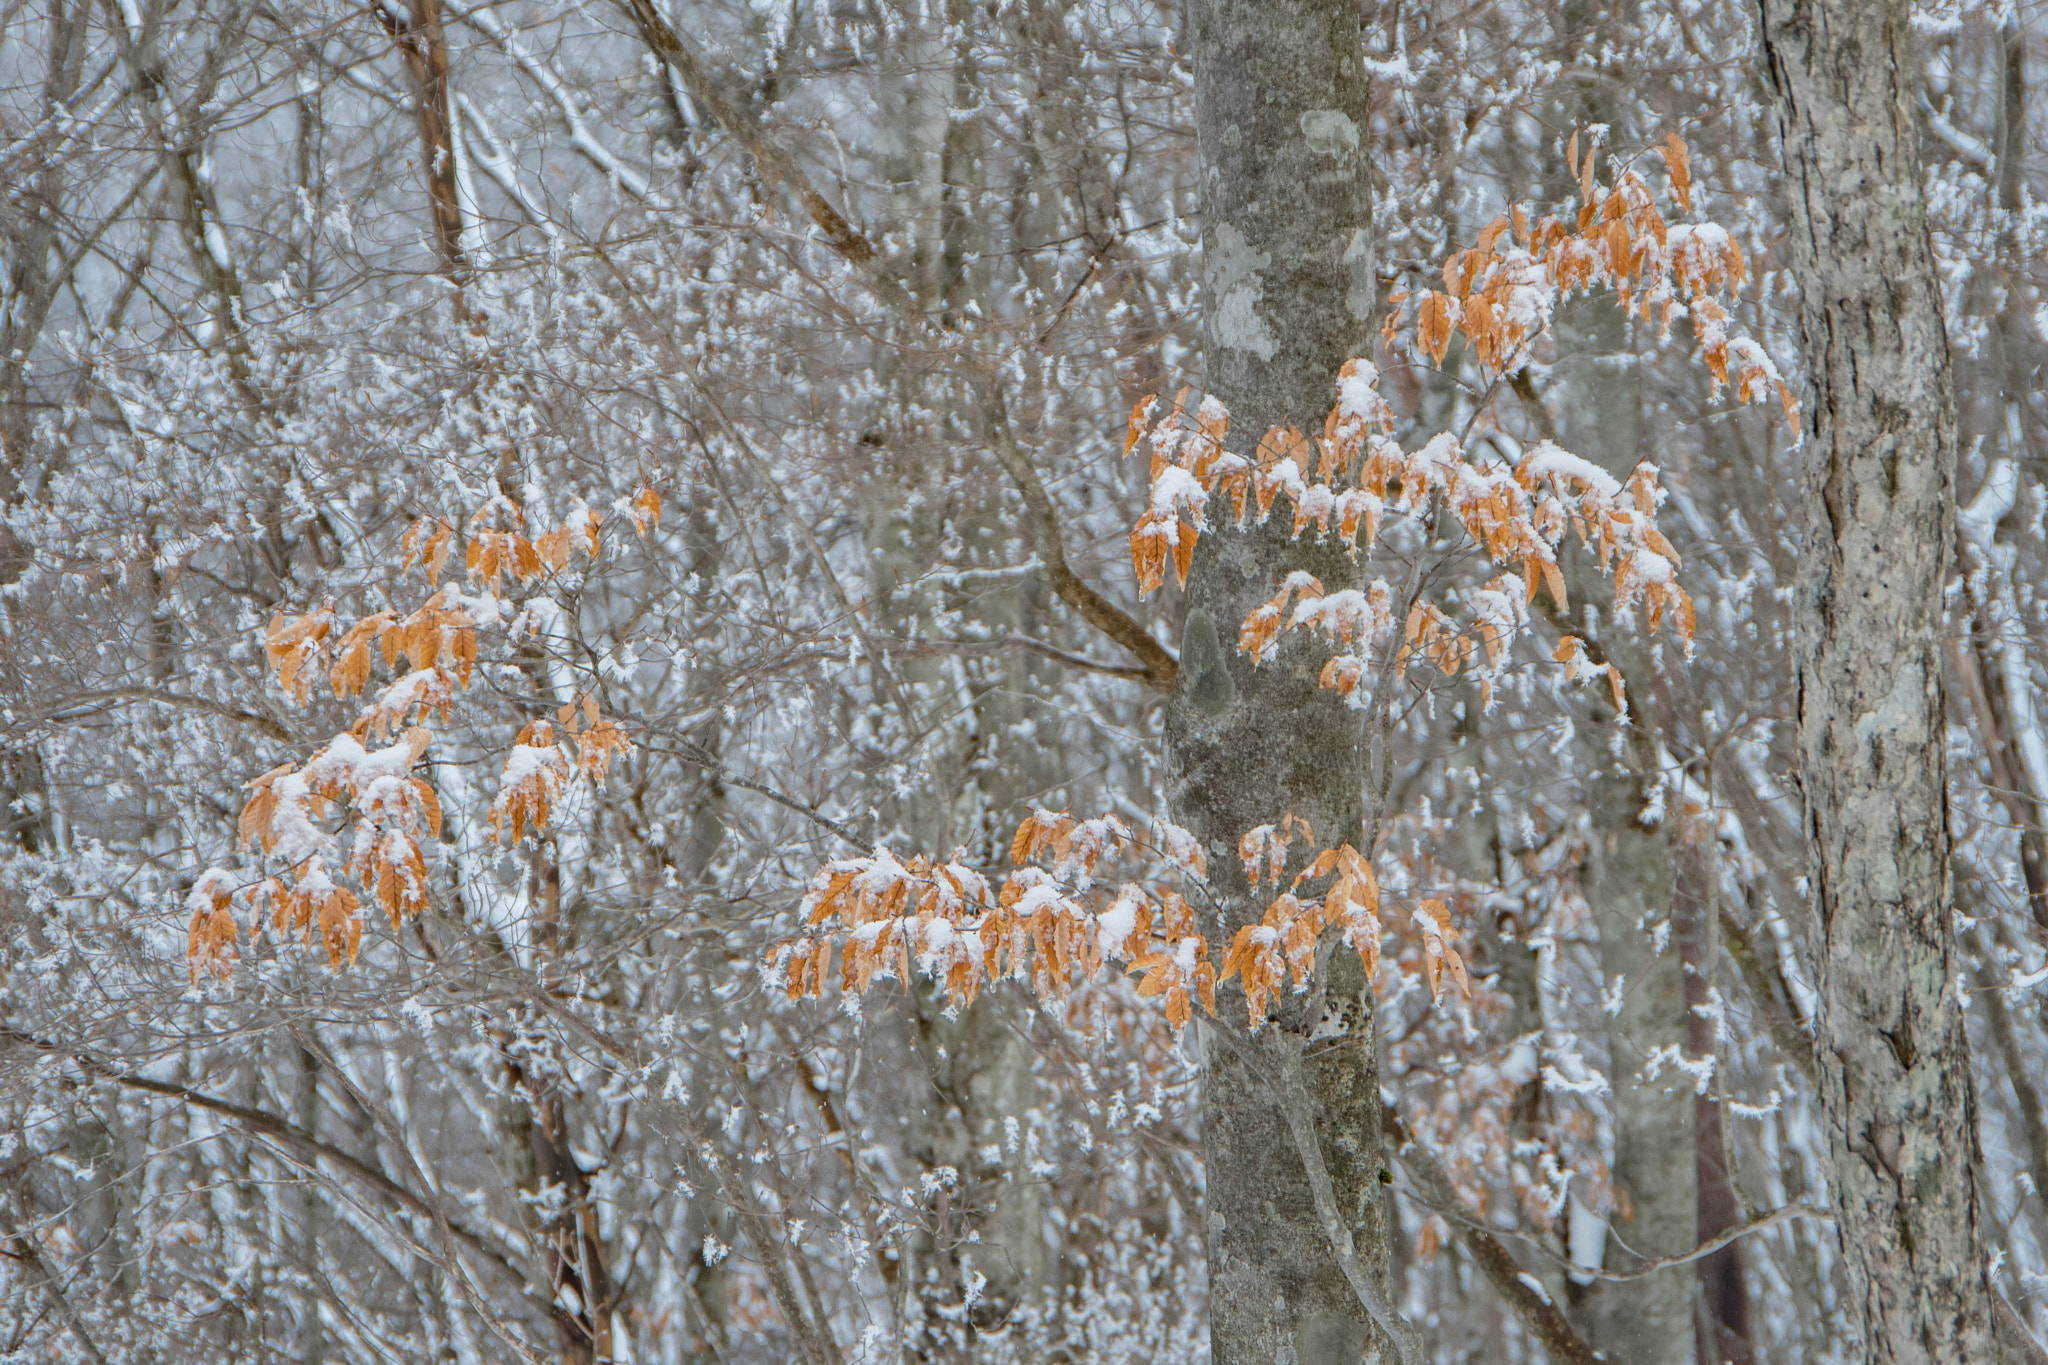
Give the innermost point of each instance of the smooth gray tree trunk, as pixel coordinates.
(1288, 296)
(1879, 503)
(1596, 388)
(1725, 1336)
(1627, 884)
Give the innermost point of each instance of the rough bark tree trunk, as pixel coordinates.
(1280, 109)
(1879, 502)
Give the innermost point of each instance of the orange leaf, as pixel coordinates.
(1141, 417)
(1618, 249)
(1433, 325)
(645, 510)
(1678, 160)
(1177, 1008)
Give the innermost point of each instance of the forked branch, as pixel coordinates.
(1158, 667)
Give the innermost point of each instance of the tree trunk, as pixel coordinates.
(310, 1345)
(33, 212)
(1724, 1328)
(1280, 105)
(1627, 884)
(1597, 387)
(1879, 504)
(1627, 880)
(421, 42)
(988, 1221)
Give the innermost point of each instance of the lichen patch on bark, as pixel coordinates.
(1330, 132)
(1235, 292)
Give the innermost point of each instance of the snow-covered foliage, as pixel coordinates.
(495, 593)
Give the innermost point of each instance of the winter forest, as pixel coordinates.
(1095, 681)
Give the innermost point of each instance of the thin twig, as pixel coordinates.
(268, 1125)
(1443, 1200)
(814, 1338)
(23, 1249)
(730, 778)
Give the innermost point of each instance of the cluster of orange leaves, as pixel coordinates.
(1519, 516)
(964, 932)
(212, 934)
(498, 545)
(540, 767)
(1498, 293)
(1288, 937)
(437, 641)
(396, 810)
(313, 900)
(393, 809)
(1050, 922)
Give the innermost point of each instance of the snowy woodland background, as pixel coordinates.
(284, 280)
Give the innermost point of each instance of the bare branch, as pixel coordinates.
(1519, 1290)
(1158, 665)
(269, 1125)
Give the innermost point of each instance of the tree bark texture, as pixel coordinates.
(1288, 296)
(1878, 499)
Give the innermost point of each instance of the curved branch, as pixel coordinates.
(1519, 1290)
(1159, 667)
(86, 703)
